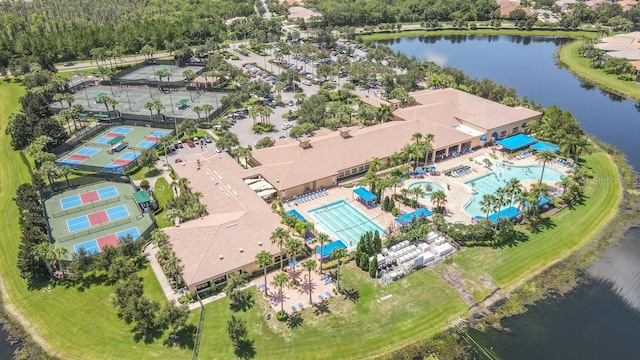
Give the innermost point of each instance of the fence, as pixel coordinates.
(94, 229)
(86, 206)
(87, 179)
(196, 343)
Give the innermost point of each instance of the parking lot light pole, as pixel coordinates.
(128, 100)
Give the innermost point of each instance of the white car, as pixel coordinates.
(306, 82)
(286, 126)
(290, 103)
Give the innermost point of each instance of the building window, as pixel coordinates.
(354, 170)
(361, 168)
(514, 130)
(366, 167)
(341, 174)
(503, 133)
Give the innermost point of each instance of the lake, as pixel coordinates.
(600, 319)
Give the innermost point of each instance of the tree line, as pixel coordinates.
(62, 30)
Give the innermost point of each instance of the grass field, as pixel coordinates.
(568, 230)
(570, 57)
(421, 304)
(79, 323)
(163, 193)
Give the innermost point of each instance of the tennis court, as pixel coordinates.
(120, 164)
(79, 157)
(132, 100)
(152, 140)
(86, 221)
(115, 135)
(97, 245)
(121, 212)
(87, 197)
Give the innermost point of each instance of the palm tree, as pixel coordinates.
(309, 265)
(544, 157)
(50, 170)
(149, 105)
(208, 108)
(277, 207)
(198, 110)
(189, 75)
(412, 152)
(486, 204)
(375, 164)
(499, 203)
(512, 189)
(428, 139)
(264, 259)
(417, 192)
(254, 112)
(338, 254)
(280, 280)
(279, 236)
(439, 197)
(384, 112)
(65, 171)
(417, 137)
(293, 248)
(322, 239)
(159, 237)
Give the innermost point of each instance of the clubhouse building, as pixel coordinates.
(459, 122)
(239, 222)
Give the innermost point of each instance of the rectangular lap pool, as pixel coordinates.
(342, 221)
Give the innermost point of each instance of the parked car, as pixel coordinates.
(207, 139)
(290, 103)
(306, 82)
(190, 143)
(69, 64)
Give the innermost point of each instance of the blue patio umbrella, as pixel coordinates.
(431, 168)
(419, 171)
(495, 135)
(483, 138)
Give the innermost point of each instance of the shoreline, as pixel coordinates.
(523, 280)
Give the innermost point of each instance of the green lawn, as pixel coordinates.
(77, 323)
(163, 193)
(570, 56)
(511, 266)
(421, 305)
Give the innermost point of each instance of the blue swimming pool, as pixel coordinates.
(488, 184)
(342, 221)
(429, 188)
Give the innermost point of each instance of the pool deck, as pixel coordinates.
(458, 193)
(294, 295)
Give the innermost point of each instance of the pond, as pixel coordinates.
(601, 318)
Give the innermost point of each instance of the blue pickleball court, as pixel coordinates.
(91, 247)
(78, 223)
(117, 212)
(107, 192)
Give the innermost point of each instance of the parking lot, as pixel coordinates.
(242, 127)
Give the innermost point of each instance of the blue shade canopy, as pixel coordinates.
(328, 248)
(544, 146)
(512, 212)
(483, 138)
(517, 142)
(365, 194)
(407, 218)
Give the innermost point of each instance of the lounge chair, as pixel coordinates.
(320, 297)
(328, 281)
(300, 305)
(293, 308)
(327, 293)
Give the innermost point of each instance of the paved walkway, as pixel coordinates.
(172, 295)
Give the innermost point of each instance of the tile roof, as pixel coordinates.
(237, 219)
(438, 112)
